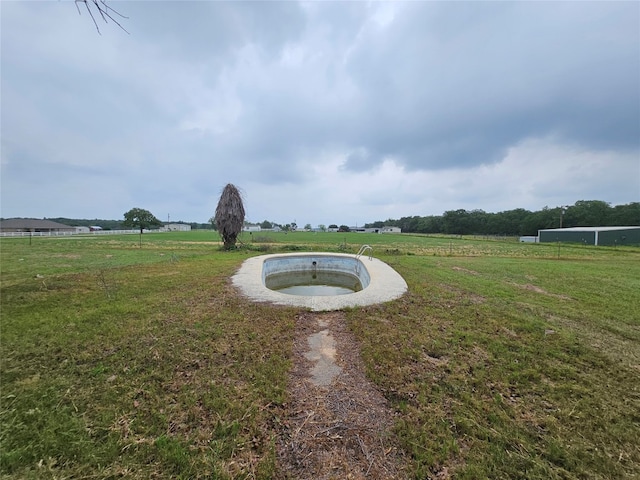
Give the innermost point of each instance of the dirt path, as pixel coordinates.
(338, 425)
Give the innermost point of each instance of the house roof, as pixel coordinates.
(31, 224)
(590, 229)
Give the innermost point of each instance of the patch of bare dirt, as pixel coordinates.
(465, 270)
(534, 288)
(466, 297)
(337, 425)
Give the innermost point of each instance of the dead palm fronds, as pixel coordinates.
(230, 215)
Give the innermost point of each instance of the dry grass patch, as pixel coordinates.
(145, 363)
(341, 430)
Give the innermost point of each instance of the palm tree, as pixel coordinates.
(230, 215)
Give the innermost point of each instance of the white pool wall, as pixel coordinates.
(385, 284)
(305, 263)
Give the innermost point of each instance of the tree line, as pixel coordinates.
(519, 222)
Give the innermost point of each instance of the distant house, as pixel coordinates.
(176, 227)
(376, 229)
(34, 225)
(252, 228)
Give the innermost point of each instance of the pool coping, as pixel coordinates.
(385, 285)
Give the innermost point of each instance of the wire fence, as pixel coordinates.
(68, 233)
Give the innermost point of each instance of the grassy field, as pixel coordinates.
(504, 360)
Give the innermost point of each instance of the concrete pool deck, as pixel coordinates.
(385, 284)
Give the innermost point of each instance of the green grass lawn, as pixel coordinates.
(504, 360)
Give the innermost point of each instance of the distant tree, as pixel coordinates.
(140, 218)
(628, 214)
(230, 215)
(509, 222)
(518, 221)
(588, 213)
(542, 219)
(322, 228)
(344, 228)
(333, 225)
(266, 225)
(407, 224)
(455, 221)
(430, 224)
(307, 226)
(376, 224)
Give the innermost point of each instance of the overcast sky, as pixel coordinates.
(321, 112)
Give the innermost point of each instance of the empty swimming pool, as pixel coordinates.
(378, 282)
(314, 275)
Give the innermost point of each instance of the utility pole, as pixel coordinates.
(563, 209)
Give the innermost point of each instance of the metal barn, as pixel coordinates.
(592, 235)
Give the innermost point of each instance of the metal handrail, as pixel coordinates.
(363, 249)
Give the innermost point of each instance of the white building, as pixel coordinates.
(176, 227)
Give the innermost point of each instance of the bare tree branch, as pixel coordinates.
(106, 12)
